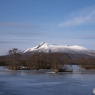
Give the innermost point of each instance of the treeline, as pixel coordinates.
(41, 60)
(87, 63)
(2, 61)
(38, 60)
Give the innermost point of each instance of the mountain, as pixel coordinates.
(73, 51)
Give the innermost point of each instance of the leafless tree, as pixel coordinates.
(14, 59)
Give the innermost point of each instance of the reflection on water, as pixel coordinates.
(46, 82)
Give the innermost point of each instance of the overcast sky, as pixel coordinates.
(26, 23)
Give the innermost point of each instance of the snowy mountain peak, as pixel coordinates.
(43, 44)
(55, 48)
(75, 50)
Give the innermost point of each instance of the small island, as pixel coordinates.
(38, 60)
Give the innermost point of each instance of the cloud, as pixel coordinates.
(87, 37)
(17, 40)
(4, 42)
(80, 17)
(20, 29)
(18, 25)
(21, 33)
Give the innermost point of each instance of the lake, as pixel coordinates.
(46, 82)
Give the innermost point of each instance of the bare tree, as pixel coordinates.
(14, 59)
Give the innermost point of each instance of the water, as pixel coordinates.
(46, 82)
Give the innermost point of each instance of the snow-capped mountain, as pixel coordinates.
(71, 50)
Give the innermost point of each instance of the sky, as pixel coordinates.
(26, 23)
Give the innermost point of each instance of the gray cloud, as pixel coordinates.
(87, 37)
(18, 25)
(14, 41)
(22, 29)
(10, 42)
(4, 42)
(21, 33)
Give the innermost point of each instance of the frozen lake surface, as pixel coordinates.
(46, 82)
